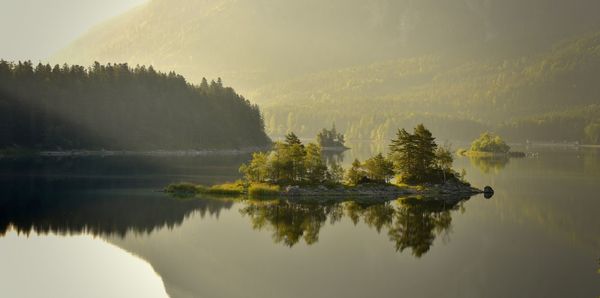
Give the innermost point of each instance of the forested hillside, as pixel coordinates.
(551, 96)
(253, 42)
(524, 67)
(115, 106)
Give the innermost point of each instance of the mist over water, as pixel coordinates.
(115, 103)
(543, 209)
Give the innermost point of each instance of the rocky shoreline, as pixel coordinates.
(375, 190)
(368, 191)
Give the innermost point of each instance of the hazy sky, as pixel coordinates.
(35, 29)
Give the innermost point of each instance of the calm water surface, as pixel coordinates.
(96, 227)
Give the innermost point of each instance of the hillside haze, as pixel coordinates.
(250, 43)
(525, 68)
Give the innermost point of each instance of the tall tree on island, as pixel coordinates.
(414, 155)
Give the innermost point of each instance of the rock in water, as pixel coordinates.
(488, 192)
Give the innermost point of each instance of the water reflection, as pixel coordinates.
(545, 209)
(334, 157)
(102, 214)
(411, 223)
(490, 165)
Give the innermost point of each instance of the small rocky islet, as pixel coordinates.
(292, 169)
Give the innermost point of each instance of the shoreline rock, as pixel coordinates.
(374, 190)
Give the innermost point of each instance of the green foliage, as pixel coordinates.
(491, 143)
(379, 169)
(335, 175)
(292, 139)
(356, 173)
(314, 165)
(291, 162)
(330, 138)
(117, 107)
(444, 159)
(413, 154)
(417, 158)
(236, 188)
(258, 168)
(183, 188)
(263, 190)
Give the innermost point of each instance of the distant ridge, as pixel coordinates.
(252, 42)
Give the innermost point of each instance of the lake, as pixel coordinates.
(97, 227)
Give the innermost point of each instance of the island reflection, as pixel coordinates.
(490, 165)
(102, 215)
(411, 223)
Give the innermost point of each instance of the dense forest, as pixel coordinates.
(549, 96)
(115, 106)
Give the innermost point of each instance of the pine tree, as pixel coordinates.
(292, 139)
(403, 154)
(413, 155)
(315, 166)
(379, 169)
(356, 173)
(425, 157)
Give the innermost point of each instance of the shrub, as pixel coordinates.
(488, 142)
(183, 188)
(262, 189)
(236, 188)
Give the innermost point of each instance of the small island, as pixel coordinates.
(416, 165)
(331, 140)
(489, 145)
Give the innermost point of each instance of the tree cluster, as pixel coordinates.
(291, 162)
(489, 142)
(377, 169)
(414, 158)
(330, 138)
(418, 159)
(115, 106)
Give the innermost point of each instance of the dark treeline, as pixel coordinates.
(43, 207)
(115, 106)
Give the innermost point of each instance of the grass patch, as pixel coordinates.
(235, 188)
(263, 190)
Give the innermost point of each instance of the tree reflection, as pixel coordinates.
(101, 215)
(490, 164)
(410, 223)
(291, 222)
(417, 223)
(333, 157)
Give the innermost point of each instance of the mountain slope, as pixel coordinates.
(456, 97)
(250, 43)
